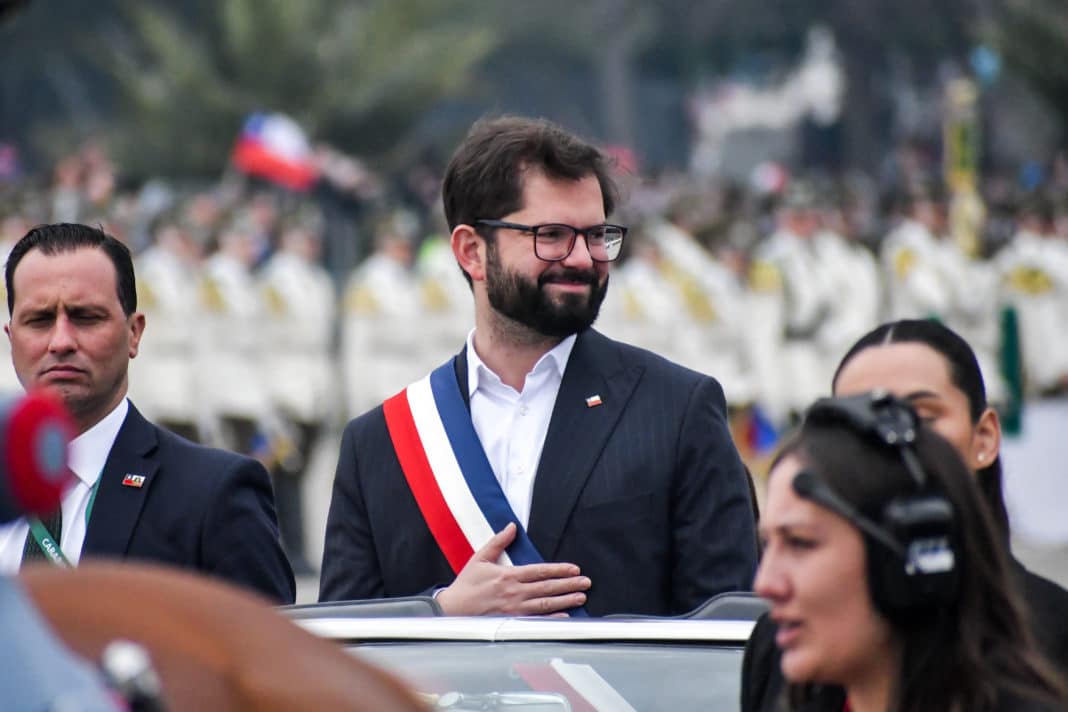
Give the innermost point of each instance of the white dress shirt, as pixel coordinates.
(512, 425)
(86, 456)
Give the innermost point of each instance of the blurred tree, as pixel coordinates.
(598, 41)
(1033, 38)
(595, 65)
(49, 98)
(704, 39)
(356, 75)
(172, 80)
(10, 7)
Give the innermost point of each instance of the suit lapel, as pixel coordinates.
(577, 434)
(459, 363)
(118, 506)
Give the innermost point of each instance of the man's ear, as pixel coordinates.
(137, 328)
(469, 249)
(986, 442)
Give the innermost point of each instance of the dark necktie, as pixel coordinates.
(31, 551)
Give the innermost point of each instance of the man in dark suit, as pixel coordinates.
(617, 463)
(139, 492)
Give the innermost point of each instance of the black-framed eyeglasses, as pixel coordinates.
(553, 242)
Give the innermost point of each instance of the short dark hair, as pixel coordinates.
(974, 648)
(965, 374)
(67, 237)
(484, 178)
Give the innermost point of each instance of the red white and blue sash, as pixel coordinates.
(448, 471)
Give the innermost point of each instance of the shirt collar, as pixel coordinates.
(88, 452)
(556, 357)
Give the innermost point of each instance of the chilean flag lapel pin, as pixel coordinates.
(131, 480)
(593, 401)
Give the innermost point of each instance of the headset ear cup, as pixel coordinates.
(905, 588)
(912, 548)
(886, 579)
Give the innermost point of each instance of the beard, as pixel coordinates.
(529, 303)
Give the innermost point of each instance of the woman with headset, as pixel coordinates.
(886, 575)
(931, 366)
(936, 370)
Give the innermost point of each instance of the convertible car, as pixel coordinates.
(210, 646)
(547, 664)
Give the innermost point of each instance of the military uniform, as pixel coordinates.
(382, 332)
(932, 278)
(231, 349)
(301, 379)
(912, 265)
(974, 312)
(714, 306)
(9, 381)
(852, 276)
(643, 308)
(1033, 272)
(789, 308)
(163, 381)
(446, 307)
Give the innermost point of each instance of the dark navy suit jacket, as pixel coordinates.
(198, 508)
(645, 493)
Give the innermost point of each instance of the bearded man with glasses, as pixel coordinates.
(545, 469)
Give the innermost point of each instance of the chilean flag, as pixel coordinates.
(273, 146)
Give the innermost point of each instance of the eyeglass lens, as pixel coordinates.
(555, 242)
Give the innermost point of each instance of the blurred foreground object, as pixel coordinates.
(215, 647)
(34, 433)
(128, 669)
(38, 672)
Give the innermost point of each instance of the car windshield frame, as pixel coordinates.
(503, 663)
(499, 629)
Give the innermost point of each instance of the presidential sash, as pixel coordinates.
(449, 474)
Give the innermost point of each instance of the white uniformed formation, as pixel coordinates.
(1033, 278)
(225, 339)
(163, 377)
(10, 231)
(230, 351)
(301, 310)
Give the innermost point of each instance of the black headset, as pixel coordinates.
(913, 564)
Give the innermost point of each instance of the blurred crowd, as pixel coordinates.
(270, 317)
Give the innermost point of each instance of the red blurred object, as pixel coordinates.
(273, 147)
(626, 161)
(34, 433)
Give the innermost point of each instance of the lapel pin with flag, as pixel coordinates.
(593, 401)
(133, 480)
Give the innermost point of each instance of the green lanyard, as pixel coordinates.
(47, 542)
